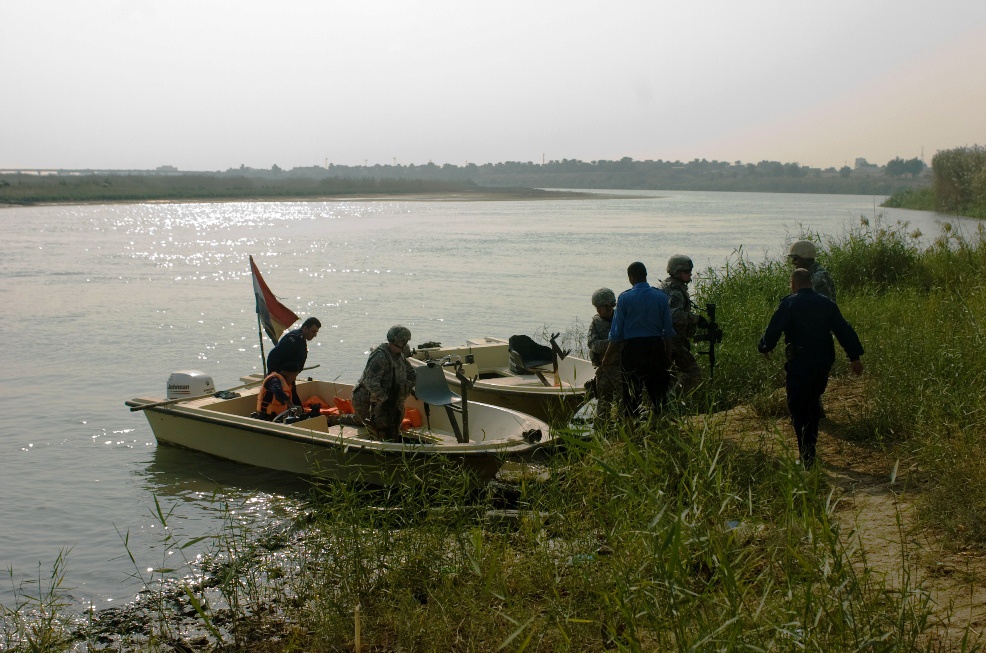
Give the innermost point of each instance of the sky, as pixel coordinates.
(215, 84)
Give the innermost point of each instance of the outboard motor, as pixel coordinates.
(189, 383)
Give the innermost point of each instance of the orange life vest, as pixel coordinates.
(275, 406)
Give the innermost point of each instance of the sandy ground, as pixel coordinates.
(876, 510)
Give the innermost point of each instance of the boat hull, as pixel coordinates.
(496, 384)
(224, 429)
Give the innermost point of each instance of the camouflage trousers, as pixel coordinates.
(382, 419)
(684, 368)
(609, 390)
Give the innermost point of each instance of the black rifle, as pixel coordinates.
(712, 334)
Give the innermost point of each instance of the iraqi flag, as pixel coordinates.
(275, 316)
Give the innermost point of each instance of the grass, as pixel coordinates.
(659, 536)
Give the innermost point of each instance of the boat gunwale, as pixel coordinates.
(507, 446)
(503, 388)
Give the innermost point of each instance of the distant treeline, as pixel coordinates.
(168, 183)
(959, 184)
(628, 174)
(25, 189)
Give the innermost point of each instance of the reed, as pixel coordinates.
(40, 618)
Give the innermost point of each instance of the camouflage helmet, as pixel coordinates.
(802, 249)
(603, 297)
(398, 333)
(679, 263)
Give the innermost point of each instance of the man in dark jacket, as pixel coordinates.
(808, 319)
(293, 346)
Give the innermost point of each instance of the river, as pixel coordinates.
(102, 302)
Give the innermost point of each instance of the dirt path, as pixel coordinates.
(876, 507)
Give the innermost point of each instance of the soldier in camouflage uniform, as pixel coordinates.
(608, 377)
(387, 380)
(802, 255)
(685, 368)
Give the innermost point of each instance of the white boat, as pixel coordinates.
(477, 436)
(542, 381)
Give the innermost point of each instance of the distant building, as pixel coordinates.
(866, 168)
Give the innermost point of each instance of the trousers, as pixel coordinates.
(805, 385)
(644, 363)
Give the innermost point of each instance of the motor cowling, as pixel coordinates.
(189, 383)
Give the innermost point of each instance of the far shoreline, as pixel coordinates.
(437, 196)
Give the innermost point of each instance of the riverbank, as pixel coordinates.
(29, 190)
(698, 530)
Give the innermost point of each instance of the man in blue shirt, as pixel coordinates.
(641, 333)
(808, 319)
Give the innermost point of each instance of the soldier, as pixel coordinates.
(608, 376)
(387, 380)
(686, 369)
(802, 255)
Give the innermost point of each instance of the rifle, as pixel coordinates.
(712, 335)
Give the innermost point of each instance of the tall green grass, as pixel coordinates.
(661, 537)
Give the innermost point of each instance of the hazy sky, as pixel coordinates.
(212, 84)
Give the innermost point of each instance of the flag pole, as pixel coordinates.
(273, 317)
(260, 335)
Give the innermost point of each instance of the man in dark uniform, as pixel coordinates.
(641, 334)
(808, 319)
(293, 346)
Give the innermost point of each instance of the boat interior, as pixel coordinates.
(519, 361)
(435, 418)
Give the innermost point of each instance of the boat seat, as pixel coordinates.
(431, 387)
(526, 355)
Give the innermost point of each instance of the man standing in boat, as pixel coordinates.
(808, 319)
(293, 346)
(641, 334)
(687, 373)
(387, 380)
(608, 377)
